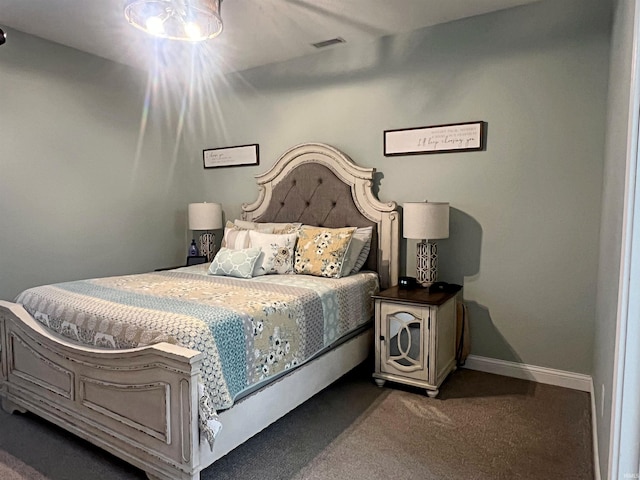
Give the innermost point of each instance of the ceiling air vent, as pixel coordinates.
(326, 43)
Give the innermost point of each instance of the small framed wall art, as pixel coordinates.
(241, 155)
(455, 137)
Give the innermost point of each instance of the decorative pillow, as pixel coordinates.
(277, 252)
(358, 250)
(244, 224)
(291, 227)
(236, 236)
(235, 263)
(321, 251)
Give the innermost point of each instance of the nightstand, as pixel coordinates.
(415, 336)
(167, 268)
(191, 260)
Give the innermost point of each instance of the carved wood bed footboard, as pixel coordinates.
(139, 404)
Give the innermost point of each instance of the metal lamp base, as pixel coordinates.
(207, 245)
(426, 263)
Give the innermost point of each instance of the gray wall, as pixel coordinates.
(619, 128)
(76, 199)
(525, 213)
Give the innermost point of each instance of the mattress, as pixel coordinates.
(248, 330)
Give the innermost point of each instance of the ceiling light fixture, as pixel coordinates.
(189, 20)
(3, 37)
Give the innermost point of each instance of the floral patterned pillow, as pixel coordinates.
(321, 251)
(277, 252)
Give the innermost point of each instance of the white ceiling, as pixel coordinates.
(256, 32)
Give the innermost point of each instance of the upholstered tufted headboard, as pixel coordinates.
(316, 184)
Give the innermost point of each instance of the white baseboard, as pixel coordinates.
(594, 431)
(550, 376)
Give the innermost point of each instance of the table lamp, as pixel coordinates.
(426, 221)
(205, 217)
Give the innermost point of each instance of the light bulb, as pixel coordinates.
(193, 31)
(155, 25)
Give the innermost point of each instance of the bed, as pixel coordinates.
(144, 404)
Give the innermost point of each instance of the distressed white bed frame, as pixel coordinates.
(142, 404)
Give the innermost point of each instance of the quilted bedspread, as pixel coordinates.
(247, 330)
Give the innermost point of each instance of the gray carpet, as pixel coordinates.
(481, 426)
(13, 469)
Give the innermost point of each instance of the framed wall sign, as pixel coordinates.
(455, 137)
(231, 156)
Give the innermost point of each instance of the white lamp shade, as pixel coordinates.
(425, 220)
(205, 216)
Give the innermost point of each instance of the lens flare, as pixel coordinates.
(193, 31)
(155, 25)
